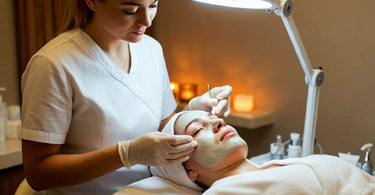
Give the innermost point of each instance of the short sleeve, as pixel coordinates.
(46, 101)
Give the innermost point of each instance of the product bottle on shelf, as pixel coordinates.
(294, 149)
(277, 149)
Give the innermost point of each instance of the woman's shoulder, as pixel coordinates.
(52, 53)
(60, 40)
(67, 43)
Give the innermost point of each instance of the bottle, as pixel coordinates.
(14, 112)
(277, 149)
(294, 149)
(366, 164)
(3, 116)
(13, 126)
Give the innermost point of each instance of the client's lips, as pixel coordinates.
(228, 133)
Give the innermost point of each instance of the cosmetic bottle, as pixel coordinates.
(366, 164)
(13, 126)
(294, 149)
(277, 149)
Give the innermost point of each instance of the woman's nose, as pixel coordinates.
(218, 125)
(145, 19)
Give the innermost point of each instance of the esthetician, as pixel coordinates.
(94, 99)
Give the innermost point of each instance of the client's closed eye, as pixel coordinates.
(197, 131)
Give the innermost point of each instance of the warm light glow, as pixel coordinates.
(187, 92)
(243, 103)
(247, 4)
(187, 95)
(175, 89)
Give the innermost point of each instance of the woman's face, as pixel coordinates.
(125, 19)
(216, 140)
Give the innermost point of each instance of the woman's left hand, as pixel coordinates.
(219, 101)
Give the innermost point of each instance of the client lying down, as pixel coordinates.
(219, 165)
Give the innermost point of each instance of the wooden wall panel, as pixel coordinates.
(37, 22)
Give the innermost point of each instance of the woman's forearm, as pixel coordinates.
(59, 170)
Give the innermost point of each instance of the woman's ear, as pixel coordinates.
(92, 4)
(193, 174)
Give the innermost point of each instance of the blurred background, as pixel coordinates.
(251, 51)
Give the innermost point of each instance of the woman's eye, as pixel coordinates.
(154, 6)
(197, 131)
(135, 10)
(130, 11)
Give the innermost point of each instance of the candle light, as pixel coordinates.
(175, 87)
(187, 92)
(243, 103)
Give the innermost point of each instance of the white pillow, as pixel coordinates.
(156, 185)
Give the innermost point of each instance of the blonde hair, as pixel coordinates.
(76, 14)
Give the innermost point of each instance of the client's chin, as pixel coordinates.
(236, 150)
(208, 175)
(237, 153)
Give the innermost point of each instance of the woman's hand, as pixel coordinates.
(156, 149)
(219, 101)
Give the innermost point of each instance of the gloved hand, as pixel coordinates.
(156, 149)
(219, 101)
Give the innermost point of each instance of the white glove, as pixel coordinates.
(156, 149)
(219, 101)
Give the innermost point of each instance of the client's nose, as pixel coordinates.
(218, 125)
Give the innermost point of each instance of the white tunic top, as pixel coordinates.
(73, 94)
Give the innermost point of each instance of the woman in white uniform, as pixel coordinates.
(94, 99)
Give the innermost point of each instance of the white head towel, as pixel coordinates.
(175, 173)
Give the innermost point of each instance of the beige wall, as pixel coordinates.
(251, 51)
(8, 63)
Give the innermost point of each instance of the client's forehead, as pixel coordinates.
(186, 118)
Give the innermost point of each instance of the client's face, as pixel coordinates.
(217, 142)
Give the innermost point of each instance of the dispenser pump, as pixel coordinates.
(366, 164)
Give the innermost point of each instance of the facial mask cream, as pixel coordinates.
(208, 152)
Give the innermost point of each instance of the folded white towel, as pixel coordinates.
(175, 173)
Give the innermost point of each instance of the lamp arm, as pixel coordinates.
(298, 46)
(314, 77)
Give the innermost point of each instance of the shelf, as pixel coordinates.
(248, 120)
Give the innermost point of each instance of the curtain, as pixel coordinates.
(37, 22)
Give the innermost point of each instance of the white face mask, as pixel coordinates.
(208, 152)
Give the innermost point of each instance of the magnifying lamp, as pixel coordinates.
(314, 77)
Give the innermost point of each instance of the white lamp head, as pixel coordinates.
(246, 4)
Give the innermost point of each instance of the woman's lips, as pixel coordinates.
(141, 32)
(227, 134)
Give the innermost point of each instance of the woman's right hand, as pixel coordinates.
(156, 149)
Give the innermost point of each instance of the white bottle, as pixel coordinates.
(3, 116)
(294, 149)
(14, 112)
(13, 126)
